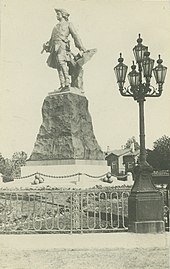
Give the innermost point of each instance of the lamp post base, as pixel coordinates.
(145, 204)
(146, 227)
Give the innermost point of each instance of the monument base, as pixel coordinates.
(73, 90)
(66, 132)
(94, 168)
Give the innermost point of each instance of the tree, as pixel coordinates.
(2, 164)
(159, 157)
(129, 143)
(11, 168)
(18, 159)
(8, 173)
(6, 168)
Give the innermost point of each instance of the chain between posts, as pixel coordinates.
(64, 176)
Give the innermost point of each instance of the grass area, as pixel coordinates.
(151, 258)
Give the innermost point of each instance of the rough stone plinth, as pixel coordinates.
(66, 131)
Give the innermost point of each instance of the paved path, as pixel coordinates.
(87, 251)
(85, 241)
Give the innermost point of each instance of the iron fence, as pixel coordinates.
(68, 211)
(63, 211)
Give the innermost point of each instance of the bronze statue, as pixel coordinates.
(61, 57)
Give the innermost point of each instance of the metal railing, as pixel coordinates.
(63, 211)
(68, 211)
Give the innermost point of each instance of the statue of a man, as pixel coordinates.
(60, 54)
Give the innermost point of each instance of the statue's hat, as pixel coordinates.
(63, 11)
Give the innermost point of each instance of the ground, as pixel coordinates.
(154, 258)
(87, 251)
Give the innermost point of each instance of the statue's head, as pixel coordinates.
(63, 12)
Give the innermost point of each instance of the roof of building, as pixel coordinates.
(132, 153)
(125, 152)
(118, 152)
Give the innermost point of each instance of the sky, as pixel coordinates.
(112, 27)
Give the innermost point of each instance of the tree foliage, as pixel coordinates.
(18, 159)
(9, 172)
(11, 168)
(130, 141)
(2, 164)
(159, 157)
(162, 145)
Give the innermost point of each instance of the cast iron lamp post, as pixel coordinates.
(145, 204)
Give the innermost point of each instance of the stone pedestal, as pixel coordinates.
(145, 204)
(94, 168)
(66, 132)
(66, 143)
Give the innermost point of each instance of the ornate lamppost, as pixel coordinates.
(145, 203)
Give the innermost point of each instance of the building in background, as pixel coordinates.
(122, 160)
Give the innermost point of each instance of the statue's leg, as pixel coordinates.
(64, 67)
(61, 76)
